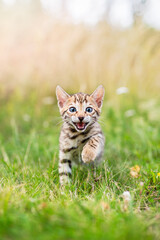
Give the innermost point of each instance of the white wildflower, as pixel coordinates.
(141, 187)
(141, 184)
(122, 90)
(48, 100)
(126, 196)
(129, 113)
(26, 117)
(32, 200)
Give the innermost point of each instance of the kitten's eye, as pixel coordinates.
(72, 109)
(89, 109)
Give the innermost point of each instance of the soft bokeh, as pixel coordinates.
(39, 48)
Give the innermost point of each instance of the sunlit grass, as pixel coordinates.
(32, 205)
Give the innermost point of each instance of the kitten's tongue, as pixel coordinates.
(80, 125)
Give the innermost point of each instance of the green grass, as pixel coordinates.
(32, 204)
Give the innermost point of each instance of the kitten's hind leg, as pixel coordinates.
(65, 171)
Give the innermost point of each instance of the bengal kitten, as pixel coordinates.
(81, 138)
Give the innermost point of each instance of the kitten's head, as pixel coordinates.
(80, 110)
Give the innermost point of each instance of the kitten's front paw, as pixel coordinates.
(88, 155)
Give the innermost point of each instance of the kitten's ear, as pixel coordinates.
(62, 96)
(98, 95)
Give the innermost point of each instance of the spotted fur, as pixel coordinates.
(81, 138)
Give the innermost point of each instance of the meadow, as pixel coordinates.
(33, 61)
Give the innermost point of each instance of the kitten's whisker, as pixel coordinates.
(59, 122)
(103, 123)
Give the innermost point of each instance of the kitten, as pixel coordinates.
(81, 138)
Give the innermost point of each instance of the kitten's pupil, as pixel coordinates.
(89, 109)
(72, 109)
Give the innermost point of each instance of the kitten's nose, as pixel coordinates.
(80, 119)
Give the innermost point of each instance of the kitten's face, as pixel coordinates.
(80, 110)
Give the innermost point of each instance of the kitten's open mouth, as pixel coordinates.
(80, 125)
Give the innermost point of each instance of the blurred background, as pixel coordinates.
(78, 45)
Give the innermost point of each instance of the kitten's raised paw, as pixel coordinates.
(88, 155)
